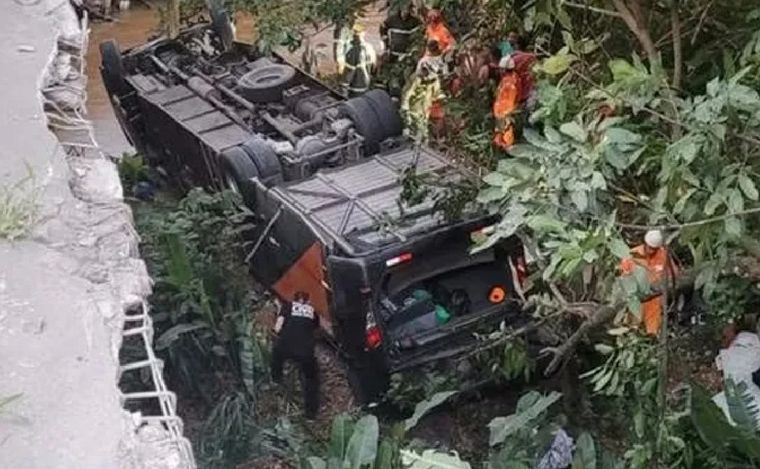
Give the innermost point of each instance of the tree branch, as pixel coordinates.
(601, 11)
(675, 22)
(603, 315)
(679, 226)
(633, 18)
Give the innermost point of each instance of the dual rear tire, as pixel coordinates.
(375, 118)
(242, 164)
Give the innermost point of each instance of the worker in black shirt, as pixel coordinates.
(295, 327)
(397, 32)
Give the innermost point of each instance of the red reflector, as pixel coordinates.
(406, 257)
(374, 337)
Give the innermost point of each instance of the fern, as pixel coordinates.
(742, 406)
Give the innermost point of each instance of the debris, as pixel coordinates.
(26, 48)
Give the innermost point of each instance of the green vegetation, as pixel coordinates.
(648, 117)
(19, 207)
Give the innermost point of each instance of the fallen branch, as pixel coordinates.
(603, 315)
(600, 315)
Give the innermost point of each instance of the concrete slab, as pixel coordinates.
(66, 286)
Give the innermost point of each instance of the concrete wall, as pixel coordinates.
(68, 286)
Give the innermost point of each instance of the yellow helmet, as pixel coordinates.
(358, 28)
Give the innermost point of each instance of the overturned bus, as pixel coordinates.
(395, 286)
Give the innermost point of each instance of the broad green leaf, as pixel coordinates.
(616, 158)
(748, 187)
(586, 46)
(551, 134)
(558, 63)
(580, 199)
(733, 227)
(743, 97)
(735, 201)
(574, 131)
(494, 179)
(590, 256)
(585, 452)
(681, 203)
(426, 406)
(490, 194)
(386, 455)
(598, 181)
(716, 432)
(432, 459)
(623, 71)
(706, 274)
(340, 434)
(621, 136)
(362, 447)
(545, 224)
(605, 379)
(713, 87)
(314, 462)
(180, 271)
(715, 200)
(687, 148)
(502, 427)
(619, 248)
(528, 152)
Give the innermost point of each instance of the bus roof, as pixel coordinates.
(358, 206)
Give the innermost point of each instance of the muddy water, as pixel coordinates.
(134, 26)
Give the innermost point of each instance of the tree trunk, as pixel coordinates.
(172, 18)
(633, 17)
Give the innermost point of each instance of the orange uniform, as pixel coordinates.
(505, 104)
(657, 264)
(437, 31)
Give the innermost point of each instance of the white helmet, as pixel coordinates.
(507, 62)
(654, 239)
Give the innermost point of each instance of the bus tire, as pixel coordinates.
(238, 171)
(266, 161)
(366, 122)
(387, 113)
(113, 68)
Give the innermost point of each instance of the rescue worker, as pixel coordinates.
(655, 258)
(397, 31)
(436, 30)
(524, 62)
(420, 99)
(506, 104)
(295, 327)
(356, 63)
